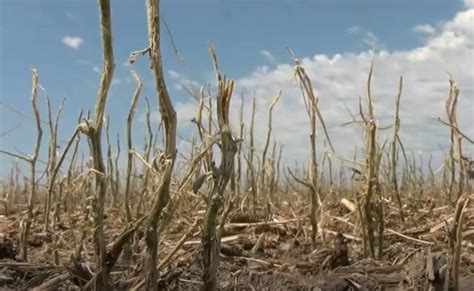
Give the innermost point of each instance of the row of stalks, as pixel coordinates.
(242, 177)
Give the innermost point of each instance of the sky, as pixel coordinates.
(421, 40)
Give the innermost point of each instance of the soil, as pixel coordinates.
(257, 253)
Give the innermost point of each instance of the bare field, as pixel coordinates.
(231, 215)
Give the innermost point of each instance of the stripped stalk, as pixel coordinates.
(267, 195)
(221, 177)
(93, 130)
(393, 157)
(146, 154)
(128, 174)
(52, 156)
(239, 152)
(313, 112)
(251, 181)
(26, 225)
(168, 117)
(110, 163)
(450, 107)
(371, 172)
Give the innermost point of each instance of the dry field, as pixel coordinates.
(231, 215)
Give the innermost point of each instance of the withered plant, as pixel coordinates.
(221, 176)
(165, 162)
(32, 159)
(311, 104)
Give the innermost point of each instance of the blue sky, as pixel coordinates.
(412, 38)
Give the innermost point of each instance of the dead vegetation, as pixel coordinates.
(207, 225)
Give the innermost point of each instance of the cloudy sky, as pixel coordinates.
(420, 40)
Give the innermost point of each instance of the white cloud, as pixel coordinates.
(341, 78)
(469, 3)
(96, 69)
(72, 41)
(174, 75)
(180, 82)
(188, 85)
(268, 55)
(115, 81)
(424, 28)
(366, 36)
(354, 29)
(371, 39)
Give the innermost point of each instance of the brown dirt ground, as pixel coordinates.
(256, 253)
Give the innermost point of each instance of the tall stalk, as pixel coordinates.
(221, 177)
(32, 160)
(393, 148)
(166, 163)
(128, 175)
(264, 188)
(93, 130)
(311, 103)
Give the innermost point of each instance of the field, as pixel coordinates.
(231, 215)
